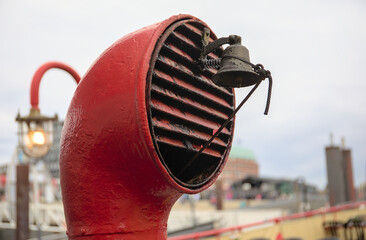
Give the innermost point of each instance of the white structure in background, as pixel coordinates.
(46, 211)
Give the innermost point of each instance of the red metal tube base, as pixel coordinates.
(114, 184)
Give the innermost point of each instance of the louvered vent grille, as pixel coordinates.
(185, 106)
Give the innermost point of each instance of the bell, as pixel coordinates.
(235, 70)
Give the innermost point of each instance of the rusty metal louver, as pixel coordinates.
(185, 107)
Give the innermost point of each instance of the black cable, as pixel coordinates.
(269, 94)
(220, 129)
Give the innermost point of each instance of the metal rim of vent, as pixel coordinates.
(174, 79)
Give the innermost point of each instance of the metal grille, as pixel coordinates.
(185, 106)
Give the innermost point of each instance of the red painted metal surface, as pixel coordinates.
(114, 184)
(34, 90)
(218, 232)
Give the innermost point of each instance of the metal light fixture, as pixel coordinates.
(35, 133)
(35, 130)
(35, 137)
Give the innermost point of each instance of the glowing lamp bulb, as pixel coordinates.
(37, 137)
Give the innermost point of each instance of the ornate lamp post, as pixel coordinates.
(35, 133)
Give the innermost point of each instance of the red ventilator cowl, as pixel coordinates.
(140, 113)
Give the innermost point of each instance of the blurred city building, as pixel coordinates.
(290, 195)
(340, 174)
(253, 187)
(241, 163)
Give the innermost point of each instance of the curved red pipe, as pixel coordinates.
(114, 185)
(34, 91)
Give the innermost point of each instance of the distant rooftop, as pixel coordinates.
(242, 153)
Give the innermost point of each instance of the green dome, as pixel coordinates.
(242, 153)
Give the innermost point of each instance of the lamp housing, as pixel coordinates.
(35, 133)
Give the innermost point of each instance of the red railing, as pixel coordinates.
(218, 232)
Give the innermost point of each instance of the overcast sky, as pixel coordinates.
(314, 49)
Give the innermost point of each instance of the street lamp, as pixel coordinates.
(35, 137)
(35, 131)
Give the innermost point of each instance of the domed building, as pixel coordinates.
(240, 164)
